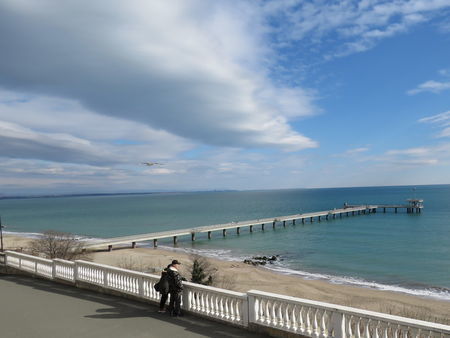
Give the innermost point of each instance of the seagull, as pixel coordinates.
(151, 163)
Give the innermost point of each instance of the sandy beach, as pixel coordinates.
(242, 277)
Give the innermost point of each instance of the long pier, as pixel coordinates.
(347, 210)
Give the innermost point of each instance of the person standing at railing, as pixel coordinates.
(163, 288)
(175, 288)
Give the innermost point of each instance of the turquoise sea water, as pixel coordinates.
(403, 252)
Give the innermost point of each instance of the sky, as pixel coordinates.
(238, 94)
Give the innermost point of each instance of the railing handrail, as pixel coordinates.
(113, 268)
(246, 298)
(216, 290)
(19, 254)
(63, 261)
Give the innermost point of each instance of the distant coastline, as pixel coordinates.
(160, 192)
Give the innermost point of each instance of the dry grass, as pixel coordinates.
(140, 265)
(419, 313)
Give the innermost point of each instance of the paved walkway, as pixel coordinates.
(35, 308)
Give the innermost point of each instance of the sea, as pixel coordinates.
(408, 253)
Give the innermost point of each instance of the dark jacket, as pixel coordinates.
(164, 281)
(175, 280)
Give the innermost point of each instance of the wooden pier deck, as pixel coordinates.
(251, 224)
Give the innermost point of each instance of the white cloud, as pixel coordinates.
(419, 156)
(191, 68)
(358, 24)
(441, 120)
(354, 152)
(430, 86)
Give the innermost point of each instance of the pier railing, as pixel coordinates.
(255, 310)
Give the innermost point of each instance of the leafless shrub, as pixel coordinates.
(55, 244)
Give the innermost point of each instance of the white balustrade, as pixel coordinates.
(35, 265)
(126, 281)
(322, 320)
(295, 315)
(64, 269)
(218, 303)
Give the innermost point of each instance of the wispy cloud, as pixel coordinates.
(430, 86)
(419, 156)
(359, 25)
(441, 120)
(353, 152)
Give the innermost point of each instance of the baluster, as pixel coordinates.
(273, 313)
(386, 327)
(348, 326)
(358, 328)
(232, 309)
(216, 305)
(308, 321)
(301, 319)
(202, 301)
(294, 323)
(256, 310)
(221, 307)
(414, 332)
(208, 303)
(367, 329)
(405, 332)
(261, 308)
(377, 325)
(280, 321)
(324, 325)
(194, 300)
(396, 331)
(287, 316)
(267, 312)
(315, 324)
(227, 308)
(238, 311)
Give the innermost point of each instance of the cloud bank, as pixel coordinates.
(173, 66)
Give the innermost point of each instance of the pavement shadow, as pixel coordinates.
(119, 308)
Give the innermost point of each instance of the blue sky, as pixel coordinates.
(224, 94)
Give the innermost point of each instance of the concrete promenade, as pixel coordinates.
(35, 308)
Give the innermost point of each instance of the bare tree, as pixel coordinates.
(55, 244)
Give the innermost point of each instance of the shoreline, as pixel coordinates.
(241, 277)
(429, 292)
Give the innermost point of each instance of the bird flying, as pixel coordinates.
(151, 163)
